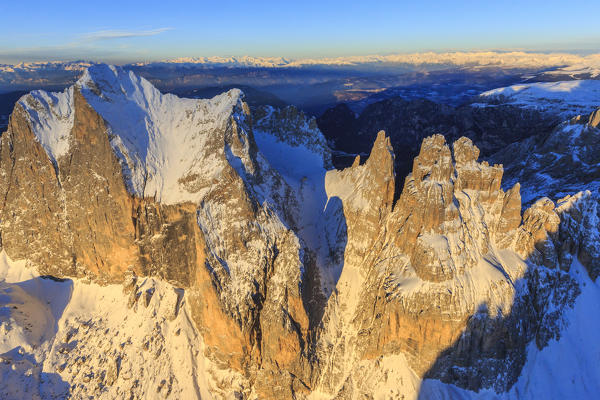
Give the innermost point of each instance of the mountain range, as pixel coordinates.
(476, 58)
(155, 246)
(317, 84)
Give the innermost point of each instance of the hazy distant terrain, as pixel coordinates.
(317, 84)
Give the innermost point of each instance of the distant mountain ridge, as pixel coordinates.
(483, 58)
(565, 62)
(565, 99)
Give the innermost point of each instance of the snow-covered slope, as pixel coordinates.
(563, 162)
(588, 67)
(161, 140)
(75, 339)
(564, 98)
(52, 117)
(568, 368)
(293, 145)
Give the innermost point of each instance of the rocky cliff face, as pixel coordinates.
(175, 194)
(445, 277)
(408, 122)
(557, 163)
(300, 282)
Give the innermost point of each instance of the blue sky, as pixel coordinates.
(130, 30)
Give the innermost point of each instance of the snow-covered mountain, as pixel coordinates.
(563, 98)
(556, 164)
(45, 65)
(514, 59)
(76, 339)
(40, 74)
(160, 247)
(215, 61)
(586, 68)
(561, 63)
(159, 139)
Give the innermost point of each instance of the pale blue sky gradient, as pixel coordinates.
(132, 30)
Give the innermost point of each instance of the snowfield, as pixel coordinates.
(565, 98)
(74, 339)
(568, 368)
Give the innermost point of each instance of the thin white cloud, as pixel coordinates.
(90, 45)
(116, 34)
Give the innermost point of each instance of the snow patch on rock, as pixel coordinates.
(160, 139)
(52, 117)
(568, 367)
(73, 338)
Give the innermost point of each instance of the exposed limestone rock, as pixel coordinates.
(441, 284)
(438, 199)
(30, 217)
(594, 119)
(367, 192)
(232, 252)
(562, 162)
(81, 215)
(295, 284)
(539, 221)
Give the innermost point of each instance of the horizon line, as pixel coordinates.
(240, 57)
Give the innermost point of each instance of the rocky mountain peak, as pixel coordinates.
(594, 118)
(438, 195)
(158, 139)
(455, 247)
(382, 153)
(465, 152)
(366, 188)
(298, 281)
(434, 162)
